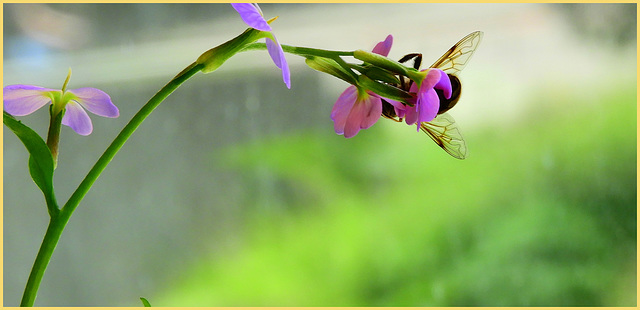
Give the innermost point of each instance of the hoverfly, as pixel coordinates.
(442, 129)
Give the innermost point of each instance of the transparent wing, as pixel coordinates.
(445, 133)
(456, 58)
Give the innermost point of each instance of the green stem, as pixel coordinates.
(301, 51)
(51, 237)
(124, 135)
(59, 221)
(308, 52)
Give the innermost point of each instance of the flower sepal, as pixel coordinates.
(378, 74)
(383, 90)
(332, 67)
(53, 136)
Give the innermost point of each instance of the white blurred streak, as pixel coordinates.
(50, 27)
(525, 47)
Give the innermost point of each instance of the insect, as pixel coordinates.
(443, 129)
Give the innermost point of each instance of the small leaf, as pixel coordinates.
(145, 302)
(40, 159)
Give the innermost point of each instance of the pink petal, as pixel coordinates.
(444, 84)
(352, 126)
(252, 16)
(363, 115)
(432, 78)
(398, 106)
(373, 111)
(96, 101)
(383, 48)
(277, 54)
(436, 78)
(22, 100)
(411, 115)
(427, 107)
(342, 108)
(76, 118)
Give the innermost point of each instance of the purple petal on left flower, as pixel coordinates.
(21, 100)
(383, 48)
(277, 54)
(96, 101)
(77, 118)
(252, 16)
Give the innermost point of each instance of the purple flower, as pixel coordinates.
(426, 103)
(357, 109)
(252, 16)
(354, 110)
(21, 100)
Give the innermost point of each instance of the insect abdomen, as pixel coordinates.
(447, 104)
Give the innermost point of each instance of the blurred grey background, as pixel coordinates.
(164, 203)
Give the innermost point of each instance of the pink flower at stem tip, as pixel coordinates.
(355, 109)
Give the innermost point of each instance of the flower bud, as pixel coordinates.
(215, 57)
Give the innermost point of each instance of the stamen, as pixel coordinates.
(64, 86)
(271, 20)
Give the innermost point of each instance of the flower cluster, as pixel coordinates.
(359, 108)
(425, 105)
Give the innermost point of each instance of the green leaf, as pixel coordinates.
(40, 160)
(145, 302)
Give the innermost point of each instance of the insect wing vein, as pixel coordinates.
(457, 57)
(444, 132)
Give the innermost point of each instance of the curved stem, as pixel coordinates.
(124, 135)
(301, 51)
(59, 221)
(308, 52)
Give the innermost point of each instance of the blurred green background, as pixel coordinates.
(237, 192)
